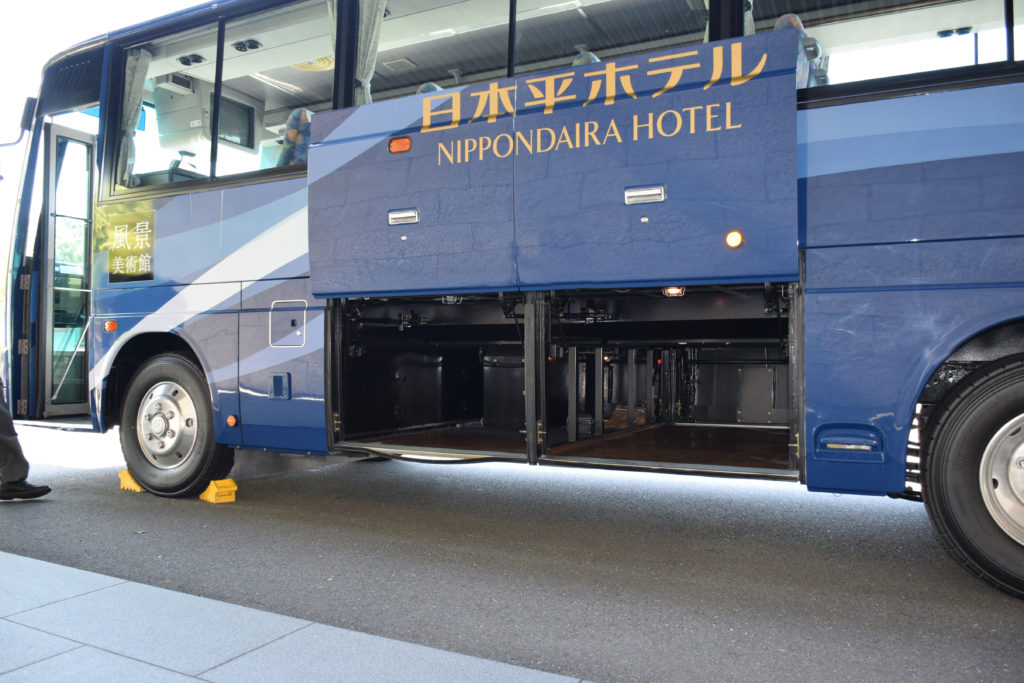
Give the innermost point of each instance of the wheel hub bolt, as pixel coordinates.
(1020, 463)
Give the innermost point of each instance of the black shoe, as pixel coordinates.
(22, 489)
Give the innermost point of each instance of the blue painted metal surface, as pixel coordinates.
(720, 142)
(911, 217)
(463, 239)
(216, 257)
(281, 367)
(712, 125)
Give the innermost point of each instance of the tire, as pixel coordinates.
(973, 473)
(167, 434)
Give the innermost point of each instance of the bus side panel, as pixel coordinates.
(282, 367)
(868, 356)
(205, 317)
(911, 250)
(202, 247)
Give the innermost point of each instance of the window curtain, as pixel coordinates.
(135, 70)
(332, 16)
(371, 17)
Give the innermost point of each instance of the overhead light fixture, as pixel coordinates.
(274, 83)
(557, 7)
(571, 4)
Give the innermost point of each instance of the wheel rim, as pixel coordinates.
(166, 425)
(1001, 477)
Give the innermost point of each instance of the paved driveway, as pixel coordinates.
(596, 575)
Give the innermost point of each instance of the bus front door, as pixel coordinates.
(64, 244)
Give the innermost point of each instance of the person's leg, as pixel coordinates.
(13, 465)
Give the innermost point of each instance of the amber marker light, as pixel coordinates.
(232, 420)
(734, 240)
(399, 145)
(110, 326)
(673, 291)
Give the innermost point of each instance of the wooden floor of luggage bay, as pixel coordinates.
(660, 443)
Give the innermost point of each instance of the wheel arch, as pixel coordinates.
(130, 358)
(958, 356)
(988, 345)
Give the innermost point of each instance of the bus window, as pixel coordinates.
(423, 50)
(171, 80)
(556, 35)
(856, 40)
(278, 71)
(87, 121)
(1018, 29)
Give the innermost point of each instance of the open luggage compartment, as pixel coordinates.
(699, 382)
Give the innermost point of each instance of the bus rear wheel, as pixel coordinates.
(167, 429)
(973, 473)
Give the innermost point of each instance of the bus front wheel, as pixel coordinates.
(167, 432)
(973, 473)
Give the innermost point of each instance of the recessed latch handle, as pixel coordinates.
(645, 195)
(403, 216)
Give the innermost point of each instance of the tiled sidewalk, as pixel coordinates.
(59, 624)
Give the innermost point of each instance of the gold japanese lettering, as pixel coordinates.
(717, 60)
(493, 102)
(738, 77)
(548, 92)
(675, 73)
(429, 113)
(608, 78)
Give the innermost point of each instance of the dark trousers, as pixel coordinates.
(13, 465)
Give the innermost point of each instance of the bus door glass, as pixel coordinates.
(65, 281)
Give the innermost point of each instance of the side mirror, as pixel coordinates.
(28, 113)
(27, 116)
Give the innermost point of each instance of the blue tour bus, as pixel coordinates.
(770, 239)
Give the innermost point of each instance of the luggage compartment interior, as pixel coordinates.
(694, 379)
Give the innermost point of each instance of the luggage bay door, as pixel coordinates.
(632, 171)
(403, 200)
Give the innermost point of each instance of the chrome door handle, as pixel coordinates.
(645, 195)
